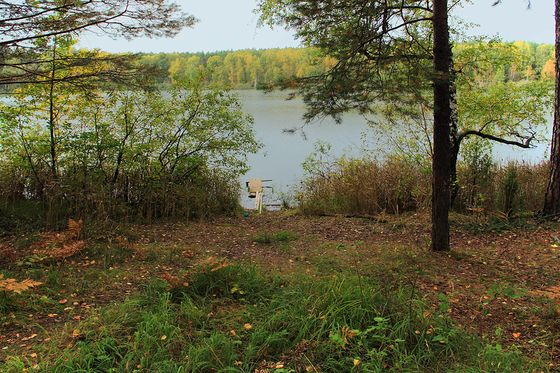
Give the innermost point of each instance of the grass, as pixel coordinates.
(267, 238)
(330, 324)
(280, 240)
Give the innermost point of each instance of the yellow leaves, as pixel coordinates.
(247, 326)
(552, 292)
(548, 70)
(357, 362)
(15, 286)
(163, 337)
(516, 335)
(343, 336)
(214, 264)
(171, 280)
(187, 254)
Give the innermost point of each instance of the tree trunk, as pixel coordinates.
(442, 121)
(454, 133)
(552, 197)
(52, 119)
(454, 182)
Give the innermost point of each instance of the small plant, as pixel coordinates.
(263, 238)
(31, 261)
(268, 238)
(506, 291)
(284, 236)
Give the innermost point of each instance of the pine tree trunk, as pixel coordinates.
(52, 124)
(552, 197)
(442, 121)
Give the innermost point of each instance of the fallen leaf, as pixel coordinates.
(63, 301)
(248, 326)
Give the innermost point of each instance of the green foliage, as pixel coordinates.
(239, 69)
(506, 291)
(490, 106)
(136, 155)
(230, 281)
(475, 174)
(501, 62)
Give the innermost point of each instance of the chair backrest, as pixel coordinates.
(254, 186)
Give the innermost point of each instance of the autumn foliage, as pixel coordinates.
(60, 245)
(15, 286)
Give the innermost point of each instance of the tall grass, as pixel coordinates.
(364, 186)
(515, 187)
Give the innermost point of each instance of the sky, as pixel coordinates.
(232, 24)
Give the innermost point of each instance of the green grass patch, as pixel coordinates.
(267, 238)
(232, 318)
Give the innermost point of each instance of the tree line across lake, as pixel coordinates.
(263, 68)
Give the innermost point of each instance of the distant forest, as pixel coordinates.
(245, 69)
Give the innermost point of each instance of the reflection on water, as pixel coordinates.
(281, 157)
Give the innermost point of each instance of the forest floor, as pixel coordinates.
(500, 283)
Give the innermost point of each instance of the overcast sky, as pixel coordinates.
(232, 24)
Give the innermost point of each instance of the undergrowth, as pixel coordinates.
(231, 318)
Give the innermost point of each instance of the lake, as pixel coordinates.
(282, 153)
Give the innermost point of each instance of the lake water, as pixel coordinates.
(282, 154)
